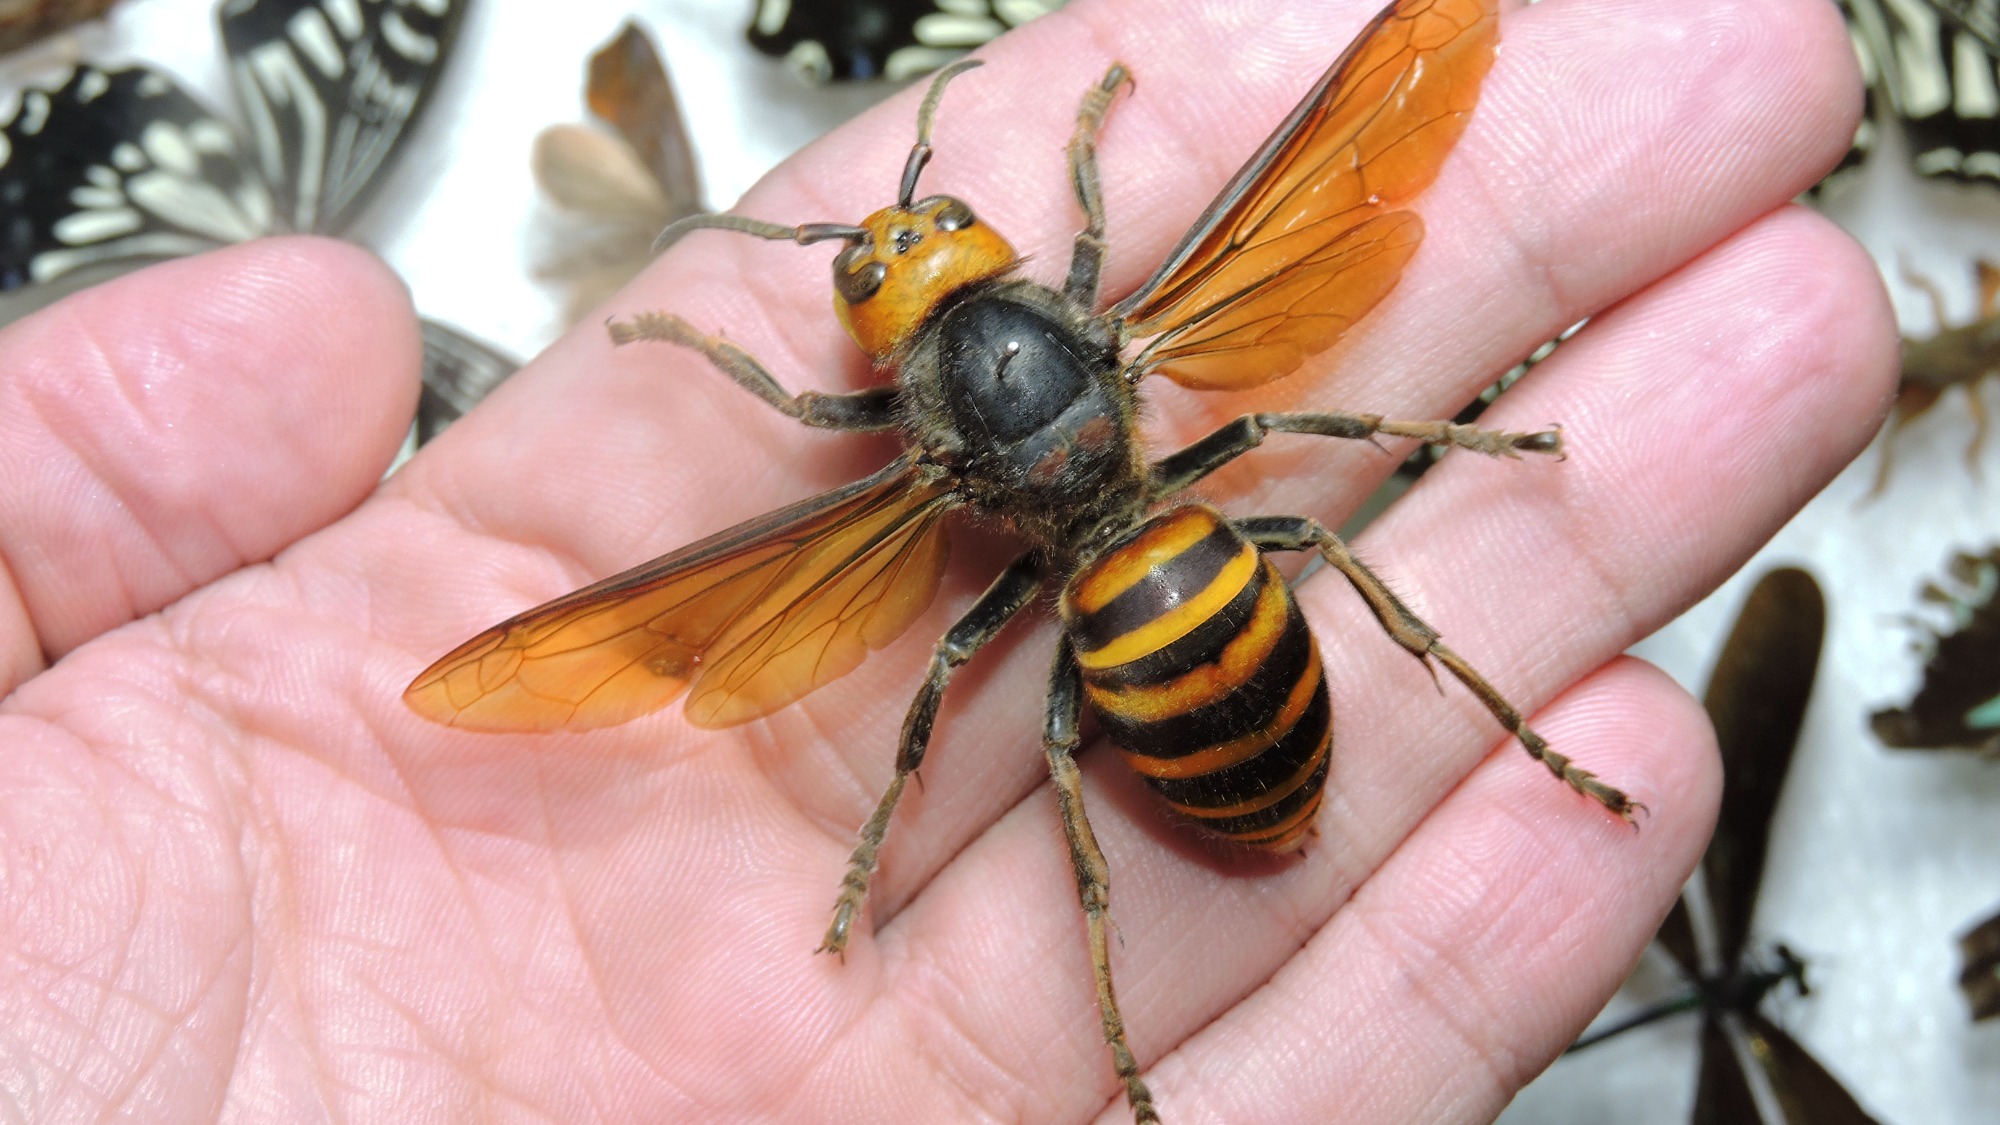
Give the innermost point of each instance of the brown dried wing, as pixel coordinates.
(1807, 1091)
(754, 617)
(1307, 237)
(629, 90)
(1757, 699)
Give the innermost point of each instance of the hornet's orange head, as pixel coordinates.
(902, 261)
(910, 258)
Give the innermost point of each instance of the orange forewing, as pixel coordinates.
(752, 618)
(1307, 237)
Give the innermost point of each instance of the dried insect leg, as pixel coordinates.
(1015, 587)
(1961, 355)
(872, 409)
(1178, 470)
(1093, 875)
(1297, 533)
(1087, 260)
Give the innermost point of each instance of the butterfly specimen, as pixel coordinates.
(1018, 400)
(1957, 707)
(1979, 979)
(1752, 1071)
(627, 184)
(118, 167)
(848, 40)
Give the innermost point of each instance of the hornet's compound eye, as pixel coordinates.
(856, 275)
(954, 215)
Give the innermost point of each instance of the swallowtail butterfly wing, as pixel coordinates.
(123, 166)
(1936, 66)
(330, 89)
(848, 40)
(120, 165)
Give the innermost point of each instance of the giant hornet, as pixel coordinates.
(1018, 401)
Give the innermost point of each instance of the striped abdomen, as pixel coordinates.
(1199, 664)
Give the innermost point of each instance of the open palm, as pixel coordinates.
(240, 878)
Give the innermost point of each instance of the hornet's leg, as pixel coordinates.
(1093, 876)
(1178, 470)
(873, 409)
(1297, 533)
(1088, 258)
(1011, 591)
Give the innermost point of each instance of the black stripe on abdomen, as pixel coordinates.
(1255, 704)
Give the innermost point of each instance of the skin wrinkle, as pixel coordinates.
(924, 986)
(844, 801)
(18, 662)
(246, 719)
(38, 555)
(459, 1057)
(110, 994)
(241, 948)
(1530, 258)
(599, 991)
(96, 461)
(1375, 926)
(459, 515)
(1493, 178)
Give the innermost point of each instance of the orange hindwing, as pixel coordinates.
(1308, 236)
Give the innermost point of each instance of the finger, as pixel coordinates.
(1474, 953)
(1722, 398)
(174, 424)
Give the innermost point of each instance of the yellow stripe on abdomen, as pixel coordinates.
(1205, 675)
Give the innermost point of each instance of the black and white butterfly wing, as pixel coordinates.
(1958, 704)
(119, 166)
(1937, 64)
(849, 40)
(329, 90)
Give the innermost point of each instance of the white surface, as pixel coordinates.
(1879, 859)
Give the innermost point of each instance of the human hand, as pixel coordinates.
(241, 877)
